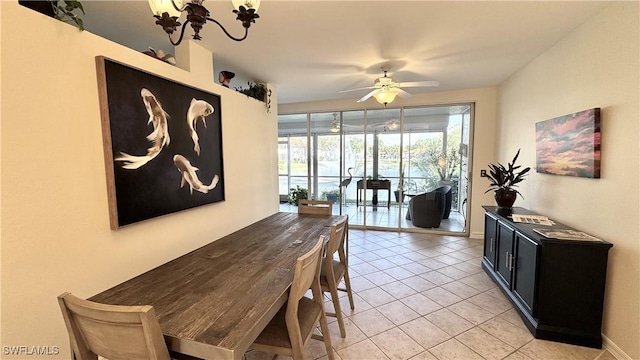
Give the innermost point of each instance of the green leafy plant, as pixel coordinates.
(331, 195)
(65, 11)
(506, 178)
(296, 194)
(258, 92)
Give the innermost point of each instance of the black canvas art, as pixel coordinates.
(163, 144)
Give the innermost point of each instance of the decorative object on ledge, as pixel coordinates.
(569, 145)
(160, 55)
(156, 162)
(66, 12)
(258, 92)
(167, 13)
(63, 10)
(224, 77)
(504, 180)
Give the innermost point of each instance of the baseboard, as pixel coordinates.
(476, 235)
(614, 349)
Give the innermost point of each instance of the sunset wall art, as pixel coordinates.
(569, 145)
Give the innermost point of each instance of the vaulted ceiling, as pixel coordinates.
(311, 50)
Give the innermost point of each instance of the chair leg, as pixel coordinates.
(324, 326)
(347, 283)
(336, 304)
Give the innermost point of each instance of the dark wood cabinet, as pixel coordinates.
(557, 286)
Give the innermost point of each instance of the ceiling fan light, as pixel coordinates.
(248, 4)
(158, 7)
(386, 96)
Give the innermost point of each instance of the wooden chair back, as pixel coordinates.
(306, 272)
(316, 207)
(333, 271)
(111, 331)
(336, 240)
(293, 326)
(306, 275)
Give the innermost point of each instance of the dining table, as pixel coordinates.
(214, 301)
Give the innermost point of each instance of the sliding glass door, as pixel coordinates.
(372, 163)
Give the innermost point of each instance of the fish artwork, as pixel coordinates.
(199, 109)
(159, 137)
(189, 176)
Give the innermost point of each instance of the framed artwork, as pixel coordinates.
(162, 144)
(569, 145)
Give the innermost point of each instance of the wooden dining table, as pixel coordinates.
(213, 302)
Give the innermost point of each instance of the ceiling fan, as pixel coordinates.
(385, 88)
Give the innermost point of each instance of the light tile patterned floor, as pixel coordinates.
(425, 297)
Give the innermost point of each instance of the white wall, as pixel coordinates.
(595, 66)
(55, 223)
(484, 138)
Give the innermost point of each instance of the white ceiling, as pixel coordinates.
(310, 50)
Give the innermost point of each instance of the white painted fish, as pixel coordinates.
(159, 137)
(199, 109)
(189, 176)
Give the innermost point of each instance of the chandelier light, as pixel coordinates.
(386, 95)
(167, 13)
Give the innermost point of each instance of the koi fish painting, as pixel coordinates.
(156, 162)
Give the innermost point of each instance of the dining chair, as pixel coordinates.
(317, 207)
(335, 270)
(293, 326)
(113, 332)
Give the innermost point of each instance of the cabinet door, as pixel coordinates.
(490, 224)
(525, 273)
(504, 250)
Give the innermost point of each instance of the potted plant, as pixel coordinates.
(62, 10)
(504, 180)
(258, 92)
(330, 195)
(296, 194)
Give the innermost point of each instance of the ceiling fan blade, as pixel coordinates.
(403, 94)
(363, 88)
(368, 95)
(419, 83)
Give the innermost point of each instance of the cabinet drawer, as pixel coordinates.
(504, 256)
(490, 225)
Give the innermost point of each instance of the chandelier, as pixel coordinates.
(167, 13)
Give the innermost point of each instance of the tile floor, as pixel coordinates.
(423, 296)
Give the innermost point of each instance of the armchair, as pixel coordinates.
(425, 210)
(446, 189)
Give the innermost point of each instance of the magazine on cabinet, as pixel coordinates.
(532, 219)
(566, 234)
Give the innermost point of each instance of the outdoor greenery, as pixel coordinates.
(426, 161)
